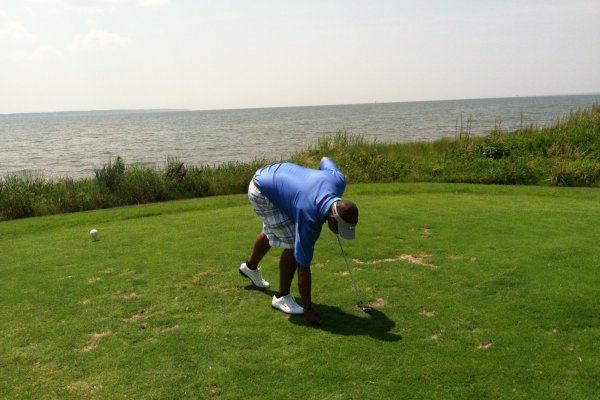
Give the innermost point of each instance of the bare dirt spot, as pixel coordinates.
(418, 259)
(200, 277)
(454, 257)
(83, 386)
(427, 314)
(84, 301)
(109, 270)
(552, 332)
(165, 329)
(485, 345)
(136, 315)
(426, 232)
(436, 336)
(93, 342)
(215, 390)
(93, 280)
(129, 296)
(343, 273)
(376, 262)
(379, 303)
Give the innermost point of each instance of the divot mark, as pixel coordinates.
(485, 345)
(418, 259)
(379, 303)
(427, 314)
(93, 342)
(136, 315)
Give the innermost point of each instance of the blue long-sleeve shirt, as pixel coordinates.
(305, 195)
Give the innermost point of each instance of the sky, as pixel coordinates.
(59, 55)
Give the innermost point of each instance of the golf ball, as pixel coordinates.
(94, 233)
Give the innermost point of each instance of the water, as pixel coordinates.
(58, 145)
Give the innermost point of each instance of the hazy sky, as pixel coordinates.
(203, 54)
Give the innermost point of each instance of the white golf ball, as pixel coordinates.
(94, 233)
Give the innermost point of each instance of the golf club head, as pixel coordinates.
(365, 307)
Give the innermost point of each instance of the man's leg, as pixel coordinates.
(287, 269)
(261, 248)
(250, 269)
(283, 300)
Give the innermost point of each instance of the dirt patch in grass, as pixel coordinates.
(436, 336)
(485, 345)
(136, 315)
(93, 342)
(418, 259)
(165, 329)
(428, 314)
(379, 303)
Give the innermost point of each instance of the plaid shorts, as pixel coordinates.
(278, 227)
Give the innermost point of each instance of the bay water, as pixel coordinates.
(74, 144)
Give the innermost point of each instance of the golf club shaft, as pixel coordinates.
(356, 289)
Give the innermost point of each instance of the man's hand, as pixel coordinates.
(312, 316)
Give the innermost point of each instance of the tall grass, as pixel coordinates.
(565, 154)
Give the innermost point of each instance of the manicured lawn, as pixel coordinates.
(481, 292)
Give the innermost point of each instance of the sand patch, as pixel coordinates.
(84, 302)
(485, 345)
(165, 329)
(199, 277)
(436, 336)
(83, 386)
(93, 342)
(376, 262)
(418, 259)
(428, 314)
(136, 315)
(378, 303)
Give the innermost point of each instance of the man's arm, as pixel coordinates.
(305, 286)
(328, 164)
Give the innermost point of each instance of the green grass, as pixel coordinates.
(507, 307)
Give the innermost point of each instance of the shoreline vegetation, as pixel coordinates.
(564, 154)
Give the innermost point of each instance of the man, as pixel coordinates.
(294, 202)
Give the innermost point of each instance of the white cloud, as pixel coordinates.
(12, 31)
(19, 44)
(99, 39)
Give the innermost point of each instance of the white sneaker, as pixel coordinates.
(287, 304)
(254, 275)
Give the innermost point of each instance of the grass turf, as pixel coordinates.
(480, 292)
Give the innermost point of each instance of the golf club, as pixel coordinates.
(365, 307)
